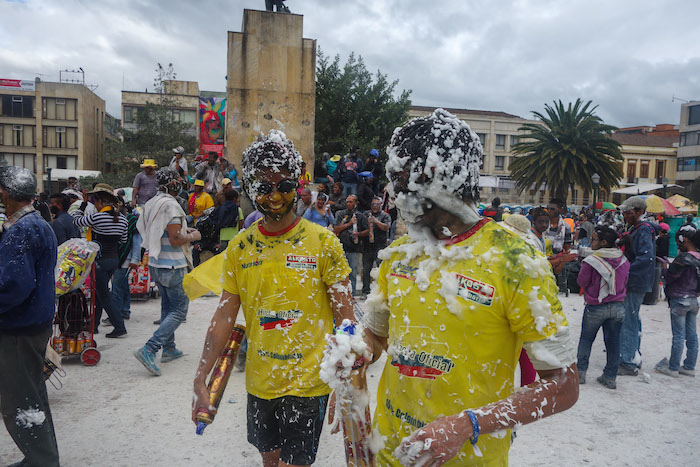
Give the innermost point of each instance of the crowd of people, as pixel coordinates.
(456, 304)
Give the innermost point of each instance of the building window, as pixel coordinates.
(500, 141)
(631, 170)
(586, 196)
(500, 162)
(482, 162)
(514, 140)
(176, 115)
(130, 114)
(644, 170)
(690, 138)
(17, 106)
(482, 138)
(694, 115)
(686, 164)
(660, 172)
(28, 161)
(17, 135)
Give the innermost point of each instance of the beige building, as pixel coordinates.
(498, 132)
(182, 97)
(51, 125)
(649, 158)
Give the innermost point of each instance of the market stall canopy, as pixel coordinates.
(642, 188)
(658, 205)
(64, 174)
(683, 204)
(603, 206)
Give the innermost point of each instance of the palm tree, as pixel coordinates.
(564, 149)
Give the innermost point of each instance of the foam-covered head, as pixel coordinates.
(168, 180)
(269, 153)
(19, 183)
(435, 159)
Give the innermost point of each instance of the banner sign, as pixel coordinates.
(17, 84)
(212, 123)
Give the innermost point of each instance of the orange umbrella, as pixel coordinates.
(657, 205)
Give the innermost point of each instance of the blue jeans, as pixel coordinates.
(631, 332)
(104, 270)
(354, 260)
(684, 315)
(173, 307)
(121, 294)
(349, 189)
(609, 316)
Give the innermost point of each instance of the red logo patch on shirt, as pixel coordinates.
(476, 291)
(301, 262)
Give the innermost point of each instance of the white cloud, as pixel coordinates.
(629, 57)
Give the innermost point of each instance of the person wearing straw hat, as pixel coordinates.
(108, 227)
(145, 184)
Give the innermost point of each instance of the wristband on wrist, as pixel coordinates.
(475, 427)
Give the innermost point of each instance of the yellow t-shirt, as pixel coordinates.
(202, 203)
(455, 344)
(283, 285)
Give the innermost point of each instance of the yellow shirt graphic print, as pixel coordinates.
(282, 281)
(458, 317)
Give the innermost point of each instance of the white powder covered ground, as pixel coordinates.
(117, 414)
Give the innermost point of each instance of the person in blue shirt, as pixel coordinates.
(27, 299)
(319, 212)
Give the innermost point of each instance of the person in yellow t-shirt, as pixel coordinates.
(199, 201)
(454, 303)
(290, 278)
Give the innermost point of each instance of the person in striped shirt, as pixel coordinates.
(167, 238)
(108, 228)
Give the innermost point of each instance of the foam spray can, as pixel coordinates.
(355, 414)
(220, 375)
(371, 228)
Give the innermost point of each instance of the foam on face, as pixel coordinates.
(442, 164)
(272, 152)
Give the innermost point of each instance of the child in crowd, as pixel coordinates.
(682, 284)
(603, 277)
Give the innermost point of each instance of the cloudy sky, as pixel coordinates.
(629, 57)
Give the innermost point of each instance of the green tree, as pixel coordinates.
(566, 147)
(354, 107)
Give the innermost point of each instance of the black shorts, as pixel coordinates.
(292, 424)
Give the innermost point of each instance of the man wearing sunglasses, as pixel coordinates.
(289, 276)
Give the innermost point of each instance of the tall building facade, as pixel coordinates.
(45, 125)
(688, 165)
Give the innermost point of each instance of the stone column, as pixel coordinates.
(271, 83)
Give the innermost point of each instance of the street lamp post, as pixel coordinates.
(595, 178)
(664, 182)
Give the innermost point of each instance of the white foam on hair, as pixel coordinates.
(290, 160)
(451, 170)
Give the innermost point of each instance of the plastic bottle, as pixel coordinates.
(355, 238)
(220, 375)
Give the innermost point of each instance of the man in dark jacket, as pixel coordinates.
(641, 252)
(351, 227)
(27, 300)
(62, 224)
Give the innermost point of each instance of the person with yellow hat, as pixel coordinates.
(145, 184)
(199, 201)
